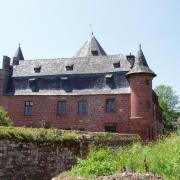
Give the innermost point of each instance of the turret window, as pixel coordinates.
(28, 108)
(147, 82)
(147, 104)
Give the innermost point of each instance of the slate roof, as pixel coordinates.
(87, 65)
(71, 85)
(19, 55)
(86, 73)
(90, 45)
(140, 64)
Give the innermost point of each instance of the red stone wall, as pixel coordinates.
(132, 113)
(141, 103)
(45, 109)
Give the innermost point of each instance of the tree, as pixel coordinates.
(4, 118)
(168, 101)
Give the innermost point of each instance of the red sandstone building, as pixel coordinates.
(91, 91)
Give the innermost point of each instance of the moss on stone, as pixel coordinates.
(53, 136)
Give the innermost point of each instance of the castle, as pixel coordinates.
(91, 91)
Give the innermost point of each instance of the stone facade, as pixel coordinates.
(32, 161)
(127, 81)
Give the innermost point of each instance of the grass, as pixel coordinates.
(161, 157)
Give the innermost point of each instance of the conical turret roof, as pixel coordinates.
(140, 64)
(19, 55)
(91, 48)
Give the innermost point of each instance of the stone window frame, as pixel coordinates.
(64, 111)
(82, 112)
(108, 108)
(28, 108)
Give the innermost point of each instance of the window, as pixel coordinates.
(147, 82)
(110, 105)
(33, 84)
(109, 78)
(116, 65)
(28, 108)
(82, 107)
(81, 129)
(147, 104)
(61, 107)
(111, 128)
(69, 67)
(94, 52)
(37, 69)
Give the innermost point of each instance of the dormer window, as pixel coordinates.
(69, 67)
(109, 78)
(116, 64)
(94, 52)
(37, 69)
(32, 81)
(33, 84)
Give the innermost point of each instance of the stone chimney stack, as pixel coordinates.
(5, 74)
(6, 62)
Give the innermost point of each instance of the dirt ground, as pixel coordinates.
(120, 176)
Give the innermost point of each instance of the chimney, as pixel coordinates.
(131, 59)
(6, 62)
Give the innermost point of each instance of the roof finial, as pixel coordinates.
(139, 46)
(19, 44)
(91, 29)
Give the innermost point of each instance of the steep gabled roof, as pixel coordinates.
(19, 55)
(140, 64)
(90, 46)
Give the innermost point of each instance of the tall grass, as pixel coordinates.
(161, 157)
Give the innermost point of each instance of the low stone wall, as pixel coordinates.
(20, 160)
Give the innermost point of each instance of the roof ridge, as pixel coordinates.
(92, 57)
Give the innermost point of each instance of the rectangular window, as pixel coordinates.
(111, 129)
(61, 107)
(147, 104)
(82, 109)
(28, 108)
(110, 105)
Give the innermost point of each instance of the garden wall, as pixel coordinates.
(30, 154)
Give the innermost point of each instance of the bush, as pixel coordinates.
(4, 118)
(161, 157)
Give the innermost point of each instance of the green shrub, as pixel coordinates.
(4, 118)
(161, 157)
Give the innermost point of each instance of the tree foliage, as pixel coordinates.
(169, 102)
(4, 118)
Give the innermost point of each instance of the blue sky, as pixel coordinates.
(58, 28)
